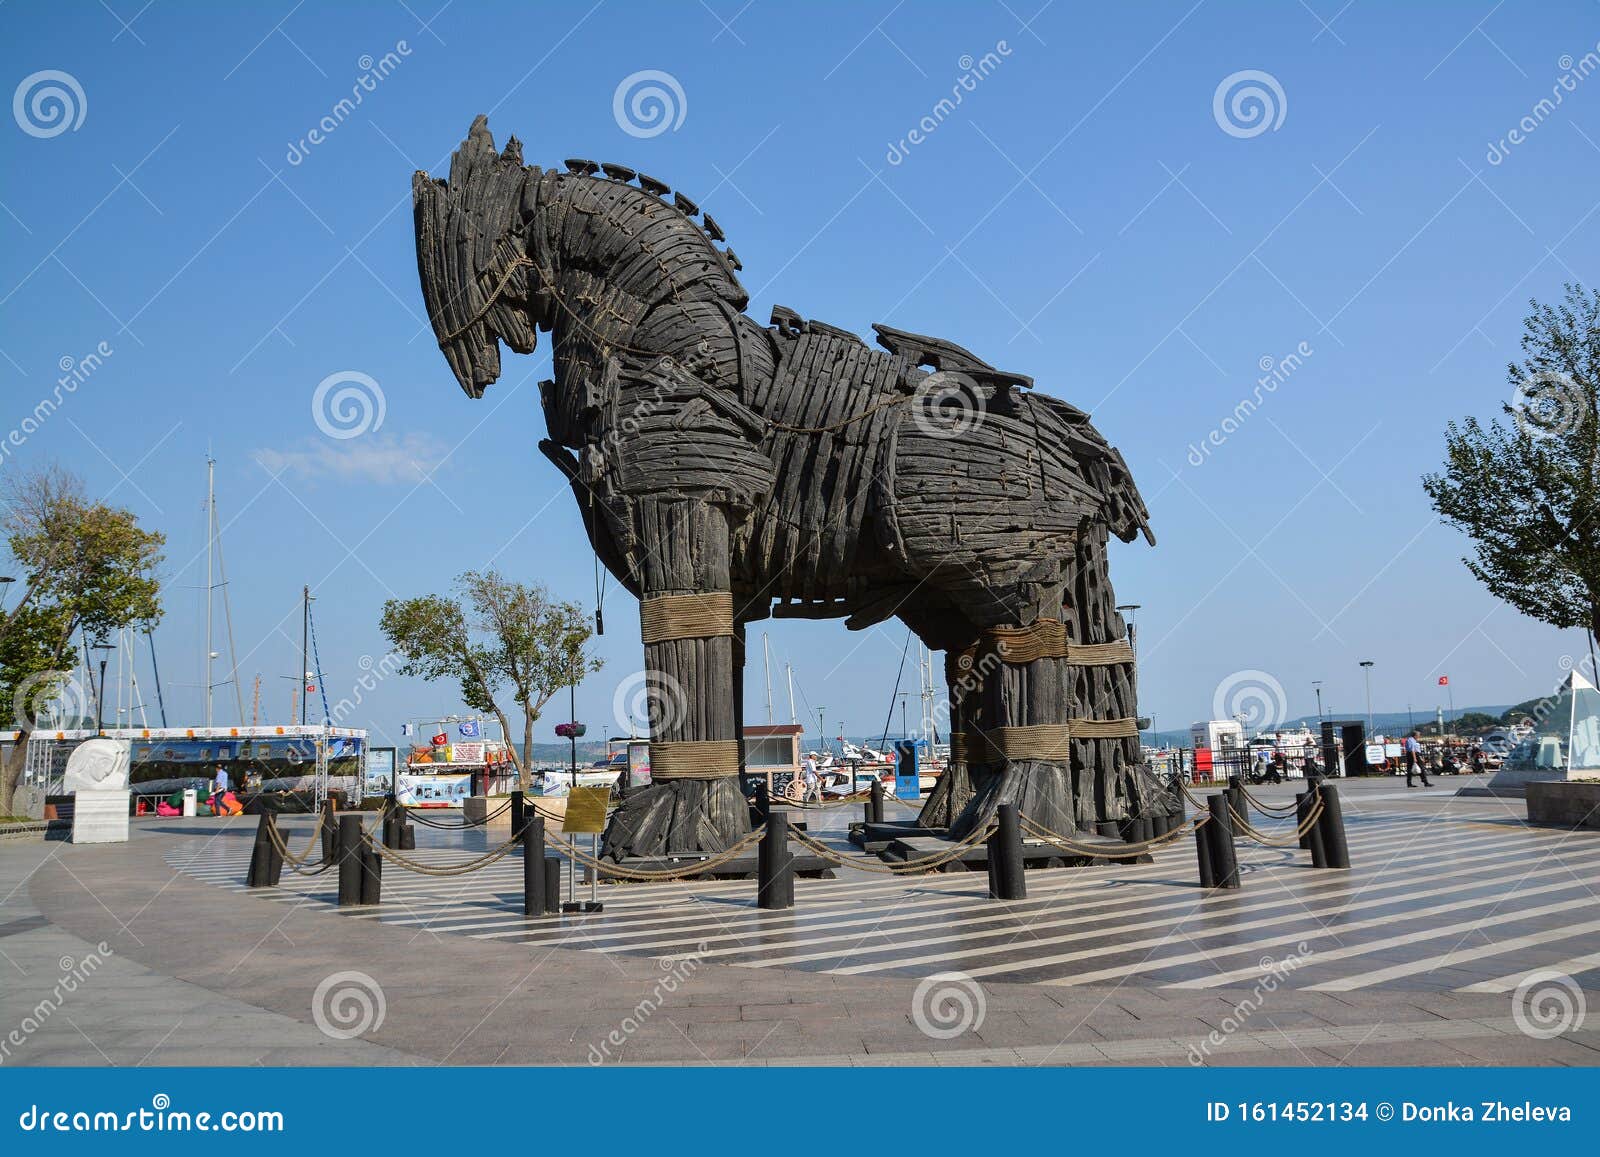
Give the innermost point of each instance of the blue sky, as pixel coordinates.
(1085, 215)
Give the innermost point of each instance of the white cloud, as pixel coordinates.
(385, 459)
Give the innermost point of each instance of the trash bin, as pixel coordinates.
(190, 799)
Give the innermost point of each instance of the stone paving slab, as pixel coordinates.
(202, 974)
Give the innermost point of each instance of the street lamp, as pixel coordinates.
(1366, 667)
(5, 581)
(103, 649)
(1133, 634)
(1317, 683)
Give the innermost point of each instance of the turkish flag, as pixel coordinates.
(441, 739)
(1444, 680)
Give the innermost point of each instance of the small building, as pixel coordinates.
(771, 750)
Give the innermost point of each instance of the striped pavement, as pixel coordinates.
(1432, 902)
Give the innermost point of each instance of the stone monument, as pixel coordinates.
(97, 779)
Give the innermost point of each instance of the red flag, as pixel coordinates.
(440, 739)
(1444, 680)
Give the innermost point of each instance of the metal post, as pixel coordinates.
(517, 813)
(552, 884)
(330, 837)
(875, 804)
(1005, 849)
(1331, 828)
(1219, 828)
(533, 866)
(349, 852)
(774, 864)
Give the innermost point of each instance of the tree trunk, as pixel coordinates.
(12, 769)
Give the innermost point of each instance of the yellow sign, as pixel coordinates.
(586, 809)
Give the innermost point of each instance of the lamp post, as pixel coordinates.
(5, 589)
(821, 738)
(103, 649)
(1131, 609)
(1317, 683)
(1366, 667)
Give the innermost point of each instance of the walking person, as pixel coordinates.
(810, 781)
(1413, 753)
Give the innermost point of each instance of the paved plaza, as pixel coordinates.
(1422, 953)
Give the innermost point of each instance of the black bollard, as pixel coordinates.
(774, 864)
(552, 883)
(371, 874)
(1302, 807)
(408, 837)
(330, 835)
(763, 804)
(1007, 881)
(1180, 799)
(274, 856)
(1224, 862)
(1202, 851)
(260, 855)
(533, 866)
(517, 813)
(875, 804)
(1330, 827)
(349, 855)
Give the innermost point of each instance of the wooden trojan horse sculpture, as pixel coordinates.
(723, 467)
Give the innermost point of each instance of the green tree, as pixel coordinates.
(1527, 491)
(85, 565)
(500, 640)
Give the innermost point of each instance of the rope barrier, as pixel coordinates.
(461, 869)
(283, 849)
(464, 824)
(904, 868)
(1067, 843)
(1261, 837)
(649, 875)
(1283, 811)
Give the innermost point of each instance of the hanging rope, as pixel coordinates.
(1271, 840)
(465, 823)
(460, 869)
(903, 868)
(1282, 811)
(1068, 844)
(650, 875)
(283, 850)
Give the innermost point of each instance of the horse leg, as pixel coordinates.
(1016, 738)
(953, 790)
(694, 803)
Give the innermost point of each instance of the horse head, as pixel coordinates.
(477, 254)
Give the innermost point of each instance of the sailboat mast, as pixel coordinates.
(789, 668)
(766, 651)
(211, 534)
